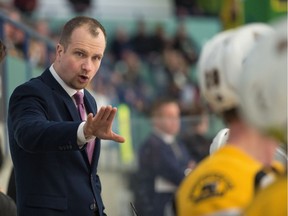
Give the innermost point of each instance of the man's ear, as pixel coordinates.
(59, 50)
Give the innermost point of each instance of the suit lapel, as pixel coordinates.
(89, 103)
(71, 108)
(55, 86)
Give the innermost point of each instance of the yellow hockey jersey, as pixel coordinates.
(223, 182)
(270, 201)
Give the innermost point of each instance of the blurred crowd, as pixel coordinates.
(138, 67)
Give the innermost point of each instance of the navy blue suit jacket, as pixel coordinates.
(53, 176)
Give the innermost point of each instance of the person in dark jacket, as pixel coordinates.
(163, 160)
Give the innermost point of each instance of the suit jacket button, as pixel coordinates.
(93, 207)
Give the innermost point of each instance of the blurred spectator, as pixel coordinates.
(133, 89)
(185, 44)
(185, 8)
(158, 40)
(80, 6)
(32, 50)
(119, 43)
(140, 40)
(108, 80)
(163, 160)
(27, 7)
(189, 96)
(173, 80)
(38, 50)
(194, 134)
(14, 37)
(175, 69)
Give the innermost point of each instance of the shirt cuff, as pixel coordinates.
(81, 141)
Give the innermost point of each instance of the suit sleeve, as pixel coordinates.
(169, 167)
(34, 128)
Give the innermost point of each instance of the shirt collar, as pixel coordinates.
(168, 138)
(70, 91)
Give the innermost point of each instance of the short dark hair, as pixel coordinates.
(77, 22)
(158, 103)
(231, 115)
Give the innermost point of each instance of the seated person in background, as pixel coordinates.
(225, 183)
(194, 135)
(163, 161)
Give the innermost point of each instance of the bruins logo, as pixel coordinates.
(211, 185)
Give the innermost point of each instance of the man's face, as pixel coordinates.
(79, 63)
(168, 119)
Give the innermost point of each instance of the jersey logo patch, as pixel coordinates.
(211, 185)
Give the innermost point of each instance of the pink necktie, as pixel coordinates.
(79, 96)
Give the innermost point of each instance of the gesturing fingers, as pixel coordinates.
(101, 124)
(112, 114)
(106, 113)
(100, 113)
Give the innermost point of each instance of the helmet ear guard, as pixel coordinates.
(219, 140)
(263, 92)
(221, 61)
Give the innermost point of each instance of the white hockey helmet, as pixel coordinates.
(220, 64)
(263, 92)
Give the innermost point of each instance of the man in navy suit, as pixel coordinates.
(48, 138)
(163, 161)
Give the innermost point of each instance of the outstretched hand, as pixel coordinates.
(100, 125)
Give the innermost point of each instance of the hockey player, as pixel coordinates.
(225, 182)
(264, 105)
